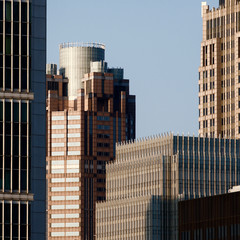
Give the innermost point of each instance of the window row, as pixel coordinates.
(103, 145)
(228, 82)
(229, 57)
(228, 107)
(51, 85)
(228, 120)
(227, 95)
(221, 21)
(205, 86)
(16, 28)
(228, 70)
(15, 220)
(19, 46)
(19, 11)
(211, 98)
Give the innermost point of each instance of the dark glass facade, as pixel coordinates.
(210, 218)
(22, 94)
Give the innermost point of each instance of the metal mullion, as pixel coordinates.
(27, 146)
(11, 157)
(28, 47)
(19, 220)
(19, 146)
(4, 43)
(2, 219)
(4, 120)
(20, 143)
(11, 45)
(27, 219)
(11, 222)
(20, 45)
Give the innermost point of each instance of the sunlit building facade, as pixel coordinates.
(162, 169)
(219, 76)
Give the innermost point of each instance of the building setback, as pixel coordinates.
(82, 134)
(219, 76)
(150, 176)
(22, 119)
(216, 217)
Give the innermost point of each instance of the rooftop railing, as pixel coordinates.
(78, 44)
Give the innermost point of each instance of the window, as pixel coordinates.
(103, 145)
(8, 11)
(103, 127)
(103, 118)
(24, 12)
(15, 11)
(8, 45)
(65, 89)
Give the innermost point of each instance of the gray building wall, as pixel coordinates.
(38, 108)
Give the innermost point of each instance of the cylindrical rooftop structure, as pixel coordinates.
(74, 62)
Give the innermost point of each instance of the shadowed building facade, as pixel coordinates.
(22, 119)
(150, 176)
(216, 217)
(82, 134)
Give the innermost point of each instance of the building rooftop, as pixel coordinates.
(78, 44)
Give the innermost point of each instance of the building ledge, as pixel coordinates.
(16, 95)
(16, 197)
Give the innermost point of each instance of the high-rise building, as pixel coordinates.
(215, 217)
(219, 76)
(150, 176)
(82, 133)
(22, 119)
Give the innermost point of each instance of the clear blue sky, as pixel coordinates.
(157, 43)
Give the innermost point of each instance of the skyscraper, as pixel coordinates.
(82, 132)
(150, 176)
(219, 77)
(22, 119)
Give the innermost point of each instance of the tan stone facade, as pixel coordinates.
(219, 76)
(81, 138)
(150, 176)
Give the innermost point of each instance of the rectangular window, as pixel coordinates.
(8, 11)
(1, 12)
(8, 45)
(24, 12)
(15, 11)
